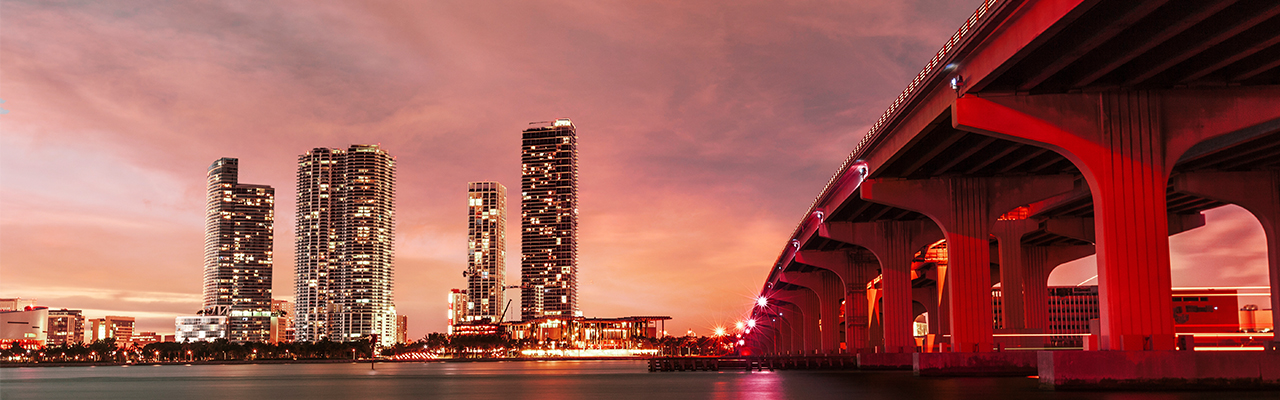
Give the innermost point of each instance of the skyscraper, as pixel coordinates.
(486, 250)
(238, 252)
(345, 238)
(549, 220)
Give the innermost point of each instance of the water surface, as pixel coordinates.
(517, 380)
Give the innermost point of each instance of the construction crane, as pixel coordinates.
(504, 309)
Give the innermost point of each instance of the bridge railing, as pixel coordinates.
(932, 68)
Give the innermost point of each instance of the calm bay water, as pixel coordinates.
(515, 380)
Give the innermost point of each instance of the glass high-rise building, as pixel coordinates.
(239, 233)
(486, 250)
(345, 236)
(549, 220)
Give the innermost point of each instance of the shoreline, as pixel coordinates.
(304, 361)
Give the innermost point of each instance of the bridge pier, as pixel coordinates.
(894, 243)
(854, 274)
(1255, 191)
(1041, 261)
(827, 289)
(965, 208)
(792, 306)
(1013, 279)
(790, 330)
(1125, 143)
(1158, 369)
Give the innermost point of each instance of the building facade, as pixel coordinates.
(23, 323)
(549, 220)
(65, 327)
(200, 328)
(345, 238)
(282, 330)
(145, 338)
(486, 250)
(402, 329)
(457, 308)
(110, 327)
(238, 252)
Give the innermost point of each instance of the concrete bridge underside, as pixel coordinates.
(1051, 130)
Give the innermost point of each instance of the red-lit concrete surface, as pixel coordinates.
(829, 293)
(1055, 128)
(1158, 369)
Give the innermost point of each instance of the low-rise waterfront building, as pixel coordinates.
(200, 328)
(64, 327)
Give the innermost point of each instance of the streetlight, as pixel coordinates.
(762, 302)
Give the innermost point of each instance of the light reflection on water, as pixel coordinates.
(516, 380)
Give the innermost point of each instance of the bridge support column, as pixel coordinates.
(1125, 143)
(894, 243)
(1013, 270)
(965, 208)
(1255, 191)
(767, 335)
(854, 273)
(828, 289)
(1041, 261)
(790, 329)
(800, 307)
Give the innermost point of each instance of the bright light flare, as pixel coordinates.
(740, 325)
(751, 323)
(720, 331)
(762, 302)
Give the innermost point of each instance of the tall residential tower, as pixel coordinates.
(345, 237)
(549, 220)
(486, 250)
(238, 252)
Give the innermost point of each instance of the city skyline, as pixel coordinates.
(712, 126)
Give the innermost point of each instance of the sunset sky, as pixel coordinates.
(705, 131)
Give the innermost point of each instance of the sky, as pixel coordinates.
(705, 131)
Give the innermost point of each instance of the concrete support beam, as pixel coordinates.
(1231, 370)
(854, 274)
(1255, 191)
(965, 208)
(1004, 363)
(830, 292)
(1013, 282)
(800, 307)
(1040, 262)
(894, 243)
(1125, 143)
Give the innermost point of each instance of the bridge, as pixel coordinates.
(1043, 131)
